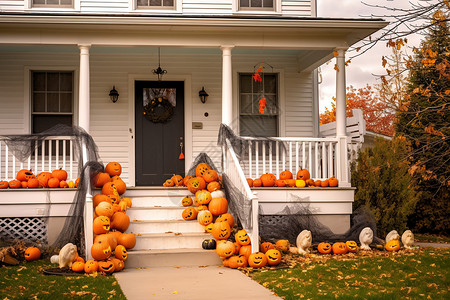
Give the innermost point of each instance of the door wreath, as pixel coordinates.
(159, 110)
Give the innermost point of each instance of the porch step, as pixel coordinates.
(171, 258)
(170, 240)
(162, 226)
(154, 213)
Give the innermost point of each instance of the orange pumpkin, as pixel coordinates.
(32, 253)
(218, 206)
(264, 247)
(318, 183)
(290, 182)
(120, 185)
(351, 246)
(225, 249)
(120, 221)
(303, 174)
(109, 188)
(221, 230)
(268, 180)
(325, 183)
(77, 182)
(128, 240)
(101, 179)
(4, 184)
(201, 169)
(392, 245)
(200, 208)
(78, 266)
(43, 178)
(104, 209)
(120, 252)
(186, 179)
(339, 248)
(63, 184)
(118, 264)
(204, 197)
(250, 182)
(196, 184)
(324, 248)
(237, 247)
(286, 175)
(60, 174)
(90, 266)
(213, 186)
(177, 180)
(210, 176)
(187, 201)
(101, 225)
(100, 198)
(242, 237)
(246, 251)
(227, 217)
(24, 175)
(310, 182)
(333, 182)
(273, 257)
(282, 245)
(204, 217)
(113, 169)
(189, 213)
(238, 261)
(281, 183)
(15, 184)
(106, 266)
(53, 182)
(257, 182)
(24, 184)
(168, 183)
(257, 260)
(100, 250)
(33, 183)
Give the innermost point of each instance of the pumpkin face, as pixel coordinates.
(120, 185)
(78, 266)
(268, 180)
(106, 266)
(221, 230)
(113, 169)
(225, 249)
(204, 197)
(101, 225)
(226, 218)
(303, 175)
(257, 182)
(101, 179)
(200, 208)
(351, 246)
(32, 253)
(242, 238)
(4, 184)
(60, 174)
(210, 176)
(168, 183)
(282, 245)
(24, 175)
(235, 262)
(115, 199)
(209, 244)
(187, 201)
(118, 264)
(273, 257)
(177, 180)
(392, 245)
(104, 209)
(189, 213)
(213, 186)
(264, 247)
(324, 248)
(204, 217)
(100, 250)
(120, 221)
(196, 184)
(250, 182)
(90, 266)
(186, 179)
(15, 184)
(109, 189)
(285, 175)
(218, 206)
(121, 252)
(339, 248)
(333, 182)
(209, 227)
(201, 169)
(257, 260)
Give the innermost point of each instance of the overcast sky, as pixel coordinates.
(362, 70)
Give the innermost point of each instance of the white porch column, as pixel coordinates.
(227, 86)
(342, 171)
(84, 93)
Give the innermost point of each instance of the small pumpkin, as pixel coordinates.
(100, 179)
(120, 185)
(303, 174)
(189, 213)
(290, 182)
(120, 221)
(60, 174)
(210, 176)
(118, 264)
(128, 240)
(213, 186)
(204, 217)
(24, 184)
(257, 182)
(33, 183)
(242, 238)
(201, 169)
(187, 201)
(43, 178)
(268, 180)
(282, 245)
(250, 182)
(281, 183)
(324, 248)
(339, 248)
(90, 266)
(286, 175)
(221, 230)
(186, 179)
(200, 208)
(109, 188)
(325, 183)
(351, 246)
(310, 182)
(113, 169)
(106, 266)
(209, 244)
(300, 183)
(318, 183)
(257, 260)
(209, 227)
(53, 183)
(63, 184)
(24, 175)
(237, 247)
(177, 180)
(264, 247)
(225, 249)
(218, 206)
(100, 198)
(246, 251)
(227, 217)
(273, 257)
(204, 197)
(120, 252)
(4, 184)
(78, 266)
(101, 225)
(237, 261)
(168, 183)
(333, 182)
(196, 184)
(32, 253)
(392, 245)
(15, 184)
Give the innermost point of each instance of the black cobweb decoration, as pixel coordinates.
(22, 146)
(201, 158)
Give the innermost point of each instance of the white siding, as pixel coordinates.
(110, 121)
(296, 7)
(206, 7)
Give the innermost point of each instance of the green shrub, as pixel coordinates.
(383, 184)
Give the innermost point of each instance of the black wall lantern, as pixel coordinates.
(203, 95)
(114, 95)
(159, 71)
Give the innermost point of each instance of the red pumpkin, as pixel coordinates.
(325, 183)
(15, 184)
(210, 176)
(221, 230)
(268, 180)
(303, 174)
(318, 183)
(120, 221)
(285, 175)
(32, 253)
(90, 267)
(60, 174)
(33, 183)
(53, 183)
(113, 169)
(128, 240)
(101, 179)
(4, 184)
(324, 248)
(218, 206)
(213, 186)
(333, 182)
(201, 169)
(24, 184)
(257, 260)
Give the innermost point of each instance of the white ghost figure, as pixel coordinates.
(408, 239)
(366, 238)
(304, 240)
(66, 256)
(393, 235)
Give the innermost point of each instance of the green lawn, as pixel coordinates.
(26, 281)
(418, 274)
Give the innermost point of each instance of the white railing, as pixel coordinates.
(274, 155)
(234, 172)
(54, 153)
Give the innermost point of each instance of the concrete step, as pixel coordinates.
(170, 240)
(171, 258)
(162, 226)
(155, 213)
(156, 191)
(152, 201)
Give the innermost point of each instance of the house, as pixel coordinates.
(59, 61)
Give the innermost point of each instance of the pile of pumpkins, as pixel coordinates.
(110, 223)
(286, 179)
(26, 179)
(351, 247)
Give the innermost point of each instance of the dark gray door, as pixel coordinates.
(158, 143)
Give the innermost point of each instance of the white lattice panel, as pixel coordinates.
(31, 229)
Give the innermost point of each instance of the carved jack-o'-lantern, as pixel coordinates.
(285, 175)
(204, 217)
(303, 174)
(273, 257)
(203, 197)
(189, 213)
(101, 225)
(121, 252)
(32, 253)
(238, 261)
(78, 266)
(177, 180)
(242, 237)
(113, 169)
(264, 247)
(225, 249)
(196, 184)
(257, 260)
(246, 251)
(201, 169)
(221, 230)
(210, 176)
(24, 175)
(209, 227)
(100, 250)
(90, 266)
(351, 246)
(392, 245)
(226, 218)
(213, 186)
(339, 248)
(324, 248)
(106, 266)
(118, 264)
(187, 201)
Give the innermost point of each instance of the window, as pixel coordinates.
(52, 3)
(51, 99)
(155, 4)
(251, 122)
(256, 4)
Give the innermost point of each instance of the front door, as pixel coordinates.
(159, 115)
